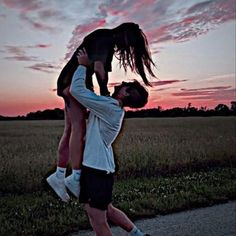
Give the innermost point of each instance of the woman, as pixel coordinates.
(129, 44)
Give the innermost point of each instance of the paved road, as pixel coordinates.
(218, 220)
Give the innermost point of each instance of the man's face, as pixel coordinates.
(120, 89)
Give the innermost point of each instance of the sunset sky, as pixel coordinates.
(192, 43)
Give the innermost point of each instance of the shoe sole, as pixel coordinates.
(57, 191)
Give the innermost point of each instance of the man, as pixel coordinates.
(104, 123)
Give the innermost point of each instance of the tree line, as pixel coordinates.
(219, 110)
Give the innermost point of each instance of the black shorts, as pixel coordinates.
(96, 188)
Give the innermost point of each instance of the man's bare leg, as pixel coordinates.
(119, 218)
(98, 220)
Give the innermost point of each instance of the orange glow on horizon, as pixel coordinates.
(21, 109)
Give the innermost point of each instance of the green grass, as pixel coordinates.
(40, 213)
(166, 165)
(145, 147)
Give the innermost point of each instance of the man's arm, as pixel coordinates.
(99, 105)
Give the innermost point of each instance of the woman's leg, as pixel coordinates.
(77, 114)
(71, 145)
(56, 180)
(63, 148)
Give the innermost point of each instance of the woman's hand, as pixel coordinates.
(83, 59)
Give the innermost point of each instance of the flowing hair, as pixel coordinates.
(132, 50)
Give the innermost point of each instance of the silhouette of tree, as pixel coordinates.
(189, 110)
(233, 106)
(222, 109)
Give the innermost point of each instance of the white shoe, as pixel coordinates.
(58, 186)
(73, 185)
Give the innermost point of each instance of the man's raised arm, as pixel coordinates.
(97, 104)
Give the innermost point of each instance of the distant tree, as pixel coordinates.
(233, 106)
(203, 108)
(222, 109)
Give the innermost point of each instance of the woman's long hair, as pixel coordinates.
(132, 50)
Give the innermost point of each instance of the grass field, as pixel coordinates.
(166, 165)
(145, 147)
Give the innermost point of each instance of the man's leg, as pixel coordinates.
(98, 220)
(121, 219)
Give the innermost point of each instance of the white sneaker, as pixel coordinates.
(58, 186)
(73, 185)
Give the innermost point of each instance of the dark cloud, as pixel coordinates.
(44, 67)
(18, 53)
(22, 58)
(165, 82)
(211, 93)
(208, 88)
(3, 16)
(35, 14)
(39, 46)
(36, 24)
(161, 89)
(199, 7)
(53, 90)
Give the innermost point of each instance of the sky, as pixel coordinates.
(192, 44)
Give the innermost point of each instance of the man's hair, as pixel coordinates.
(138, 95)
(132, 50)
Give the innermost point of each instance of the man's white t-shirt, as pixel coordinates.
(104, 123)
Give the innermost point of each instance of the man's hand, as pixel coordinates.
(83, 59)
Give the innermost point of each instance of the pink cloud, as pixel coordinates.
(208, 88)
(210, 93)
(37, 25)
(28, 7)
(44, 67)
(164, 82)
(3, 16)
(18, 53)
(162, 21)
(196, 20)
(23, 5)
(161, 89)
(39, 46)
(22, 58)
(113, 84)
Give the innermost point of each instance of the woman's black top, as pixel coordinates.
(100, 47)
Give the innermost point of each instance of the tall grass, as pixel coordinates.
(145, 147)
